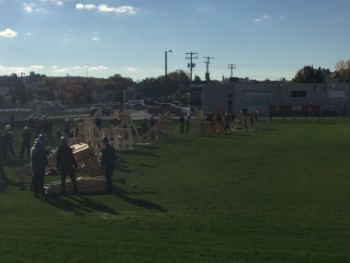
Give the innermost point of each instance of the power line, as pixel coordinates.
(191, 65)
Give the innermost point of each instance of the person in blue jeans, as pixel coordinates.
(108, 161)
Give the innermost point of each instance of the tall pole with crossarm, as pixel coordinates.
(166, 74)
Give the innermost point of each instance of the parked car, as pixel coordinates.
(176, 103)
(113, 105)
(48, 105)
(165, 107)
(58, 105)
(138, 106)
(105, 111)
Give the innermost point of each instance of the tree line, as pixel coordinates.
(176, 86)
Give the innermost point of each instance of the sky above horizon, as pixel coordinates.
(100, 38)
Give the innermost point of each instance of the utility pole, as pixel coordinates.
(231, 67)
(166, 75)
(191, 65)
(207, 62)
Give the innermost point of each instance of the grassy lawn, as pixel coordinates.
(280, 195)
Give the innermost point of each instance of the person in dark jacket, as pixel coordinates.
(66, 164)
(108, 160)
(182, 123)
(46, 127)
(26, 142)
(38, 160)
(3, 150)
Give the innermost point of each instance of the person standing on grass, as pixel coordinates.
(182, 123)
(38, 160)
(188, 123)
(8, 138)
(3, 150)
(26, 142)
(46, 127)
(108, 160)
(66, 164)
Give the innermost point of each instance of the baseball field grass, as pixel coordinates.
(275, 195)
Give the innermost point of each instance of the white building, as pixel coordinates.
(332, 97)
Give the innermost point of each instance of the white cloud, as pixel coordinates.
(8, 33)
(32, 7)
(11, 70)
(77, 70)
(36, 67)
(19, 69)
(100, 67)
(28, 7)
(87, 6)
(129, 69)
(95, 39)
(107, 9)
(56, 2)
(260, 19)
(122, 9)
(59, 70)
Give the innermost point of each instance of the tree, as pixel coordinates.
(49, 83)
(342, 70)
(308, 75)
(77, 93)
(152, 87)
(177, 82)
(182, 81)
(118, 84)
(18, 90)
(197, 79)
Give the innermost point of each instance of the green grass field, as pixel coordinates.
(279, 195)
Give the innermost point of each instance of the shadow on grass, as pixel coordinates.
(185, 140)
(138, 202)
(9, 182)
(123, 166)
(15, 163)
(79, 205)
(145, 153)
(3, 184)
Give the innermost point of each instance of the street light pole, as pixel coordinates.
(166, 74)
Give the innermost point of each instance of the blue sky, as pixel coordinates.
(262, 38)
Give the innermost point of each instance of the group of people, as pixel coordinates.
(39, 131)
(40, 126)
(35, 127)
(66, 164)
